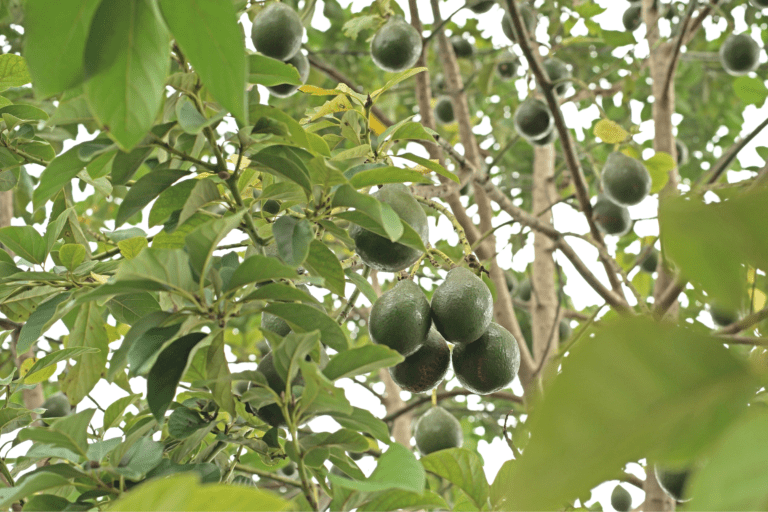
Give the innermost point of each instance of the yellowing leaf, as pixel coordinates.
(758, 299)
(40, 375)
(26, 365)
(610, 132)
(375, 125)
(318, 91)
(99, 278)
(338, 104)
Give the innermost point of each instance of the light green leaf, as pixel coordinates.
(682, 392)
(304, 318)
(170, 200)
(71, 255)
(204, 192)
(379, 214)
(89, 332)
(258, 269)
(432, 166)
(203, 241)
(610, 132)
(131, 247)
(291, 350)
(130, 308)
(166, 373)
(322, 262)
(26, 242)
(497, 490)
(192, 121)
(25, 113)
(397, 469)
(267, 71)
(211, 38)
(127, 59)
(13, 71)
(54, 358)
(403, 75)
(115, 410)
(361, 360)
(390, 174)
(31, 485)
(659, 166)
(463, 468)
(35, 325)
(58, 173)
(217, 369)
(182, 493)
(55, 35)
(293, 237)
(357, 24)
(750, 90)
(399, 499)
(363, 421)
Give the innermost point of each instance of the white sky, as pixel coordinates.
(497, 452)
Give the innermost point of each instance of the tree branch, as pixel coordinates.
(744, 323)
(511, 397)
(729, 156)
(678, 46)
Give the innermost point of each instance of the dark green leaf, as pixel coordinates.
(125, 164)
(267, 71)
(31, 485)
(281, 292)
(204, 192)
(293, 237)
(294, 348)
(463, 468)
(390, 174)
(144, 346)
(192, 121)
(257, 269)
(217, 369)
(129, 309)
(26, 242)
(166, 373)
(146, 189)
(303, 318)
(183, 422)
(89, 331)
(203, 241)
(361, 360)
(324, 263)
(58, 173)
(382, 218)
(432, 166)
(34, 326)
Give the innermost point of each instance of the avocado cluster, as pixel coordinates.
(485, 356)
(277, 32)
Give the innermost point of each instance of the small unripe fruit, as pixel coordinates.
(739, 54)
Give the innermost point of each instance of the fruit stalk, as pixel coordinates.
(352, 298)
(465, 245)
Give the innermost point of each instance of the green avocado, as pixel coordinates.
(611, 218)
(621, 500)
(396, 46)
(529, 20)
(547, 139)
(277, 31)
(480, 6)
(625, 180)
(462, 47)
(275, 324)
(722, 316)
(673, 482)
(525, 289)
(533, 119)
(511, 280)
(682, 152)
(557, 70)
(301, 63)
(462, 306)
(438, 430)
(564, 330)
(650, 262)
(56, 406)
(488, 364)
(444, 110)
(507, 68)
(760, 4)
(400, 318)
(633, 17)
(425, 368)
(380, 253)
(739, 54)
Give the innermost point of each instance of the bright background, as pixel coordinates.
(565, 219)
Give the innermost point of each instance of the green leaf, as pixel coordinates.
(361, 360)
(217, 369)
(144, 346)
(398, 499)
(116, 409)
(163, 269)
(293, 349)
(357, 24)
(204, 192)
(26, 242)
(682, 392)
(71, 255)
(170, 200)
(183, 422)
(58, 173)
(713, 258)
(8, 180)
(610, 132)
(322, 262)
(363, 421)
(293, 237)
(140, 458)
(192, 121)
(183, 492)
(147, 188)
(497, 490)
(735, 473)
(89, 332)
(257, 269)
(55, 35)
(212, 40)
(363, 285)
(54, 358)
(130, 308)
(463, 468)
(399, 77)
(131, 247)
(281, 292)
(304, 318)
(25, 113)
(13, 71)
(277, 164)
(397, 469)
(267, 71)
(166, 373)
(412, 131)
(31, 485)
(390, 174)
(432, 166)
(659, 166)
(380, 214)
(69, 432)
(203, 241)
(34, 327)
(750, 90)
(126, 59)
(125, 165)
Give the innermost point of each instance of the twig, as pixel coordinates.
(669, 296)
(728, 157)
(678, 46)
(449, 394)
(466, 246)
(352, 298)
(266, 474)
(157, 141)
(9, 325)
(744, 323)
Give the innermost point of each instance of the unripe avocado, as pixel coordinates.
(425, 368)
(462, 306)
(621, 500)
(289, 469)
(480, 6)
(438, 430)
(270, 206)
(529, 20)
(611, 218)
(396, 45)
(533, 120)
(650, 262)
(300, 62)
(462, 48)
(564, 329)
(380, 253)
(507, 68)
(275, 324)
(633, 17)
(444, 110)
(488, 364)
(525, 289)
(625, 180)
(400, 318)
(673, 482)
(722, 316)
(739, 54)
(547, 139)
(277, 31)
(56, 406)
(557, 70)
(760, 4)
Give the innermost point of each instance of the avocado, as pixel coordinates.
(462, 47)
(533, 119)
(444, 110)
(380, 253)
(650, 262)
(289, 469)
(529, 20)
(480, 6)
(621, 500)
(525, 289)
(488, 364)
(625, 180)
(396, 46)
(462, 306)
(673, 481)
(270, 206)
(611, 218)
(721, 316)
(277, 31)
(557, 70)
(564, 329)
(301, 63)
(739, 54)
(507, 68)
(425, 368)
(633, 17)
(275, 324)
(547, 139)
(511, 280)
(682, 152)
(400, 318)
(437, 430)
(56, 406)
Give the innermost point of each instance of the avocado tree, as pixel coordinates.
(223, 220)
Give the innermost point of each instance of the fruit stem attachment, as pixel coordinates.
(352, 298)
(434, 397)
(465, 245)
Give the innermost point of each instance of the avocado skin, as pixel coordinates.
(632, 18)
(611, 218)
(564, 330)
(425, 368)
(444, 110)
(277, 31)
(396, 46)
(625, 180)
(525, 289)
(557, 70)
(274, 324)
(721, 316)
(490, 363)
(739, 54)
(400, 319)
(480, 6)
(462, 306)
(462, 48)
(56, 406)
(507, 68)
(673, 482)
(621, 500)
(380, 253)
(438, 430)
(533, 120)
(529, 19)
(650, 262)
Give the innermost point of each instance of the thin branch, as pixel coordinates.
(699, 20)
(157, 141)
(678, 46)
(632, 479)
(352, 299)
(9, 325)
(744, 323)
(449, 394)
(745, 340)
(266, 474)
(669, 296)
(729, 156)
